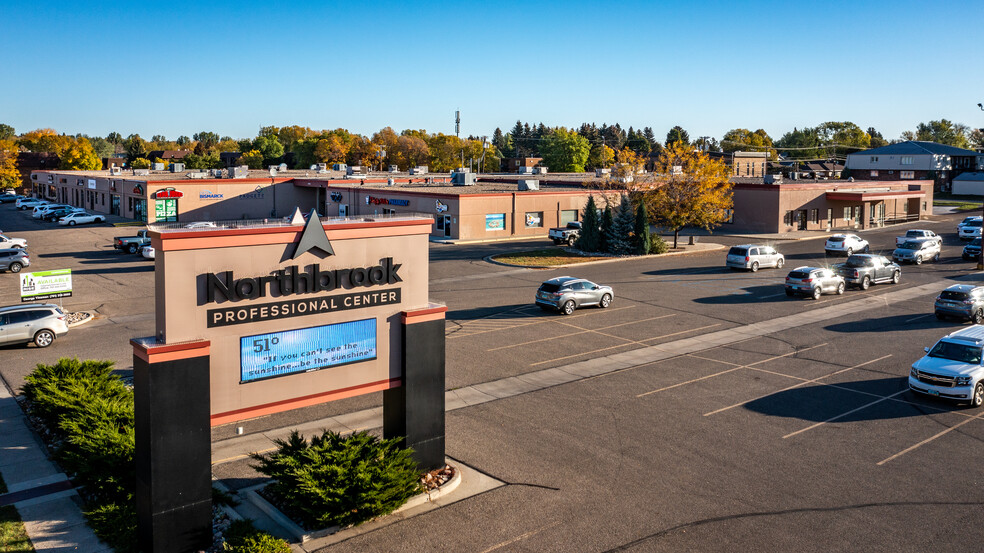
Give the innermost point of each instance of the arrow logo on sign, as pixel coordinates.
(313, 237)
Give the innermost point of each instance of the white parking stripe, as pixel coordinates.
(803, 383)
(927, 440)
(842, 415)
(584, 331)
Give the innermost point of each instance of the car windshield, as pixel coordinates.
(975, 242)
(549, 287)
(911, 245)
(975, 223)
(965, 353)
(799, 274)
(858, 261)
(953, 295)
(737, 251)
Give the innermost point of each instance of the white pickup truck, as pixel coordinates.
(566, 235)
(918, 234)
(6, 242)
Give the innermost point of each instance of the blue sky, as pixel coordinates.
(176, 68)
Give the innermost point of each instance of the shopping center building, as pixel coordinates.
(495, 207)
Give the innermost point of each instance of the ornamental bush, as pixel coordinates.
(657, 245)
(336, 480)
(243, 537)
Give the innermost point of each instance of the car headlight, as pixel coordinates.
(913, 373)
(963, 381)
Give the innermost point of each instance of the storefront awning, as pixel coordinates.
(870, 195)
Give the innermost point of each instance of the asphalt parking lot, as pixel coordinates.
(802, 439)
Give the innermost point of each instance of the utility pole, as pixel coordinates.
(980, 256)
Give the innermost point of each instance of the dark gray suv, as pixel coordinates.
(962, 301)
(565, 294)
(13, 259)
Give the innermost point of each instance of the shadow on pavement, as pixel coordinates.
(754, 294)
(892, 324)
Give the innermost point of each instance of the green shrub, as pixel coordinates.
(658, 245)
(340, 480)
(242, 537)
(115, 524)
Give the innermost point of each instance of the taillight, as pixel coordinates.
(807, 280)
(747, 258)
(855, 272)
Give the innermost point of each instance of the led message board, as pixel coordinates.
(294, 351)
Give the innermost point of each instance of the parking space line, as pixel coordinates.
(842, 415)
(623, 345)
(929, 439)
(907, 321)
(584, 331)
(464, 328)
(730, 370)
(797, 385)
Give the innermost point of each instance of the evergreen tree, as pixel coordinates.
(590, 239)
(642, 239)
(621, 239)
(607, 222)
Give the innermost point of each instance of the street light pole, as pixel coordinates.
(980, 256)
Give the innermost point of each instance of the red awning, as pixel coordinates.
(868, 195)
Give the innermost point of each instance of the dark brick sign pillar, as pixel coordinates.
(415, 410)
(173, 446)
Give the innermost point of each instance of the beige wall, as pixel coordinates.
(181, 307)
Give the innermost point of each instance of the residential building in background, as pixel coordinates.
(914, 160)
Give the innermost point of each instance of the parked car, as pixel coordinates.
(813, 281)
(80, 217)
(951, 369)
(6, 242)
(917, 251)
(918, 234)
(966, 220)
(864, 269)
(58, 213)
(962, 301)
(202, 224)
(846, 244)
(971, 229)
(30, 203)
(148, 252)
(565, 294)
(132, 244)
(14, 259)
(973, 249)
(752, 256)
(9, 198)
(40, 323)
(39, 210)
(565, 235)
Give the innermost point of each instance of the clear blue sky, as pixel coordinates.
(176, 68)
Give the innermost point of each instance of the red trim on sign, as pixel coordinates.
(159, 353)
(424, 315)
(303, 401)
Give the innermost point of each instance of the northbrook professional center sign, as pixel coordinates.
(254, 321)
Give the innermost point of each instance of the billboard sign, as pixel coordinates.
(46, 285)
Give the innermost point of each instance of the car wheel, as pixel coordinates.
(978, 398)
(896, 277)
(918, 260)
(755, 266)
(865, 282)
(606, 300)
(132, 248)
(99, 219)
(15, 267)
(840, 288)
(867, 248)
(849, 252)
(936, 258)
(570, 241)
(817, 292)
(789, 293)
(978, 317)
(44, 338)
(568, 307)
(71, 223)
(780, 263)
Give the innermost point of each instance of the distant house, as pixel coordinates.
(513, 164)
(35, 161)
(749, 164)
(915, 160)
(167, 154)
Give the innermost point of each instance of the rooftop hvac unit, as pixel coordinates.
(339, 167)
(177, 167)
(217, 173)
(394, 168)
(158, 166)
(462, 170)
(141, 172)
(525, 170)
(353, 169)
(421, 170)
(390, 182)
(463, 179)
(540, 170)
(114, 170)
(282, 167)
(602, 172)
(197, 175)
(240, 172)
(529, 184)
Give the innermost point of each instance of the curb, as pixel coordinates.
(91, 317)
(488, 241)
(713, 248)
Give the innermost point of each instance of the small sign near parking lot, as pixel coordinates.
(46, 285)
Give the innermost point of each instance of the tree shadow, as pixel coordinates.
(499, 312)
(755, 294)
(821, 403)
(722, 270)
(891, 324)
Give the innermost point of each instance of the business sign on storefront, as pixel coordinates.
(46, 285)
(92, 184)
(440, 206)
(371, 200)
(495, 221)
(168, 193)
(209, 195)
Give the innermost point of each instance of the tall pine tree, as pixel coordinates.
(607, 221)
(620, 241)
(590, 239)
(642, 239)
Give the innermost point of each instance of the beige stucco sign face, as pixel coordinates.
(294, 315)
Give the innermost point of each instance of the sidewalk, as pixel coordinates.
(43, 495)
(793, 235)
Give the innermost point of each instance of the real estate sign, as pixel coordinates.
(46, 285)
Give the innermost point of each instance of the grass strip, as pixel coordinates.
(13, 536)
(545, 257)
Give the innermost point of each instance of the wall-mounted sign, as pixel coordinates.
(168, 193)
(336, 197)
(441, 207)
(166, 210)
(495, 221)
(370, 200)
(251, 196)
(534, 219)
(138, 189)
(208, 195)
(306, 349)
(46, 285)
(92, 184)
(79, 182)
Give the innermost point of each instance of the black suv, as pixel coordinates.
(973, 250)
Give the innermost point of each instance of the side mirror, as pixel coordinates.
(926, 350)
(596, 287)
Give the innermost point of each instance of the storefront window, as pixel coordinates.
(534, 219)
(166, 210)
(567, 216)
(495, 221)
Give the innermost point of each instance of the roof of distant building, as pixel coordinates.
(918, 147)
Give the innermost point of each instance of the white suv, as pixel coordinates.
(969, 230)
(846, 244)
(952, 369)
